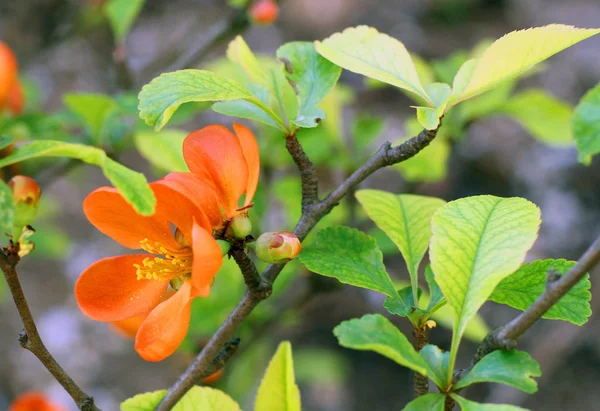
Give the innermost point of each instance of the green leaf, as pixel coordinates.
(131, 184)
(121, 15)
(7, 210)
(430, 402)
(374, 332)
(586, 125)
(405, 219)
(466, 405)
(429, 117)
(402, 304)
(93, 109)
(311, 76)
(547, 118)
(349, 255)
(511, 56)
(476, 243)
(364, 50)
(197, 398)
(162, 96)
(522, 288)
(278, 390)
(434, 289)
(436, 362)
(6, 141)
(163, 149)
(514, 368)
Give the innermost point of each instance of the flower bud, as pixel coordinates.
(264, 11)
(279, 247)
(26, 195)
(240, 227)
(225, 246)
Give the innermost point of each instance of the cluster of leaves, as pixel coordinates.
(477, 246)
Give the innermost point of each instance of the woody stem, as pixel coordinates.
(30, 338)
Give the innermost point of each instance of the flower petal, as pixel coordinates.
(199, 192)
(214, 154)
(129, 326)
(108, 211)
(34, 401)
(110, 291)
(166, 326)
(252, 156)
(207, 260)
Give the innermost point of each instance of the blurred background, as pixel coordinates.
(511, 142)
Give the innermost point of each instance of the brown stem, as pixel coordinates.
(30, 338)
(308, 172)
(311, 215)
(420, 382)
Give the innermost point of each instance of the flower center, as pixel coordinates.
(171, 263)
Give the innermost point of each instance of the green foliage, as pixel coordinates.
(477, 242)
(94, 110)
(364, 130)
(162, 96)
(514, 368)
(278, 390)
(374, 332)
(7, 208)
(6, 141)
(466, 405)
(162, 149)
(197, 398)
(547, 118)
(436, 362)
(429, 117)
(437, 298)
(311, 76)
(586, 125)
(121, 15)
(405, 219)
(131, 184)
(364, 50)
(349, 255)
(522, 288)
(429, 402)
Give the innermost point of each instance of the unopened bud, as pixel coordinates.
(264, 11)
(279, 247)
(240, 227)
(25, 189)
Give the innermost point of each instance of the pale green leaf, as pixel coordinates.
(349, 255)
(93, 109)
(239, 53)
(121, 15)
(197, 398)
(436, 362)
(402, 304)
(162, 96)
(405, 218)
(547, 118)
(374, 332)
(131, 184)
(430, 402)
(512, 55)
(476, 243)
(162, 149)
(7, 211)
(514, 368)
(429, 117)
(586, 125)
(278, 390)
(522, 288)
(434, 289)
(311, 76)
(466, 405)
(364, 50)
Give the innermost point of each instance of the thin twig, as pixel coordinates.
(311, 215)
(30, 338)
(308, 172)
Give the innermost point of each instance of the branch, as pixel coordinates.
(308, 172)
(556, 287)
(311, 215)
(420, 382)
(30, 338)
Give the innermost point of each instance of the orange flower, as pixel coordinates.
(119, 288)
(34, 401)
(224, 166)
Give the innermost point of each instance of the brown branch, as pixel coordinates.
(30, 338)
(311, 215)
(308, 172)
(420, 382)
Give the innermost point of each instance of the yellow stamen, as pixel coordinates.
(173, 263)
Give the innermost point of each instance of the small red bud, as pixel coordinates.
(25, 190)
(15, 102)
(264, 11)
(279, 247)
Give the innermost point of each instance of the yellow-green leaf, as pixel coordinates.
(467, 405)
(278, 390)
(197, 398)
(366, 51)
(163, 149)
(430, 402)
(511, 56)
(121, 15)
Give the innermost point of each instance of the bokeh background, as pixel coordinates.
(65, 46)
